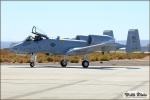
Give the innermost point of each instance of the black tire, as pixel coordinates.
(85, 64)
(63, 63)
(32, 64)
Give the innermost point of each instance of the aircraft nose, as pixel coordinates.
(14, 47)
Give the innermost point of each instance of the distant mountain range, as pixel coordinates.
(6, 44)
(144, 43)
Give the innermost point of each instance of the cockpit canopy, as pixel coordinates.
(37, 36)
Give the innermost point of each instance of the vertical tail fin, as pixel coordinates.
(133, 41)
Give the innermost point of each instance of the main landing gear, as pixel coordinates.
(85, 62)
(63, 63)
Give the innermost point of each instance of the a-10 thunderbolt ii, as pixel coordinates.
(81, 45)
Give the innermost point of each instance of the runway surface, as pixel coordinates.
(53, 82)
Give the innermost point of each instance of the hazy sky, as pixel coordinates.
(68, 19)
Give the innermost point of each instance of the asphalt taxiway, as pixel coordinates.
(50, 81)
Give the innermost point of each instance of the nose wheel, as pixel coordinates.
(63, 63)
(32, 64)
(32, 60)
(85, 64)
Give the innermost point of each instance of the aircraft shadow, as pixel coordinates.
(101, 68)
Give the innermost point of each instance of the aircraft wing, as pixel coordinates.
(89, 49)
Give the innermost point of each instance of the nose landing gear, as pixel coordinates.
(32, 60)
(32, 64)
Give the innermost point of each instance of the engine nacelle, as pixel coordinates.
(82, 37)
(96, 39)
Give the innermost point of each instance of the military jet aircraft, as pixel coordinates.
(81, 45)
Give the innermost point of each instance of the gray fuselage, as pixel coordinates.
(59, 46)
(54, 46)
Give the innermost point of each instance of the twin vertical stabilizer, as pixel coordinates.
(133, 41)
